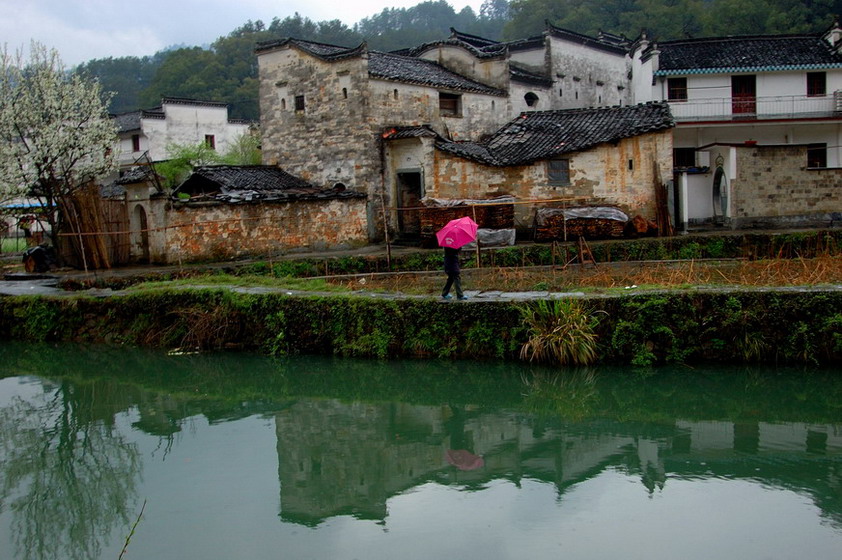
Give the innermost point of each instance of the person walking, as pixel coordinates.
(454, 278)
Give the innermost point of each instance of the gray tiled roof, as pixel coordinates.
(747, 53)
(474, 40)
(390, 66)
(544, 134)
(319, 50)
(136, 174)
(423, 72)
(525, 76)
(252, 183)
(402, 132)
(127, 122)
(492, 50)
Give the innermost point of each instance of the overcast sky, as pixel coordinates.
(86, 29)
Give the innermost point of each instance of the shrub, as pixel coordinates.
(560, 332)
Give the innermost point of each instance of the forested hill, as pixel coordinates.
(227, 70)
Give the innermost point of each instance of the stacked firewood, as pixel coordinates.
(553, 224)
(488, 216)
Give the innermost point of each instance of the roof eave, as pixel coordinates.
(441, 87)
(734, 69)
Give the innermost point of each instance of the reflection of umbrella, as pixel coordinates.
(464, 460)
(457, 233)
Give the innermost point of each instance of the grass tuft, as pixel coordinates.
(560, 332)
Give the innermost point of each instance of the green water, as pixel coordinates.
(243, 457)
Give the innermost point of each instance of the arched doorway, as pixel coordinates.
(720, 194)
(140, 234)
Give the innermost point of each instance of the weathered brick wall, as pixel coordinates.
(490, 71)
(331, 140)
(197, 232)
(588, 77)
(396, 104)
(774, 187)
(600, 176)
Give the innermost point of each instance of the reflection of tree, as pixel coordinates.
(68, 476)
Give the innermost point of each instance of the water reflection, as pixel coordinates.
(338, 458)
(67, 476)
(354, 438)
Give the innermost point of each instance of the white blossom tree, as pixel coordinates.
(55, 132)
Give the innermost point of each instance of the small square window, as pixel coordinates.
(450, 104)
(816, 84)
(684, 157)
(558, 171)
(135, 142)
(299, 102)
(210, 141)
(817, 155)
(677, 89)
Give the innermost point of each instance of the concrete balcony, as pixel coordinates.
(758, 108)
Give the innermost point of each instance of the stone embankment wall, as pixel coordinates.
(768, 326)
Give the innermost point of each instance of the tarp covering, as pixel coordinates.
(493, 238)
(593, 212)
(450, 202)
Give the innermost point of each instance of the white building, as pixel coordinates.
(175, 121)
(758, 128)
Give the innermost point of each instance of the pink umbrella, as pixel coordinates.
(464, 460)
(457, 233)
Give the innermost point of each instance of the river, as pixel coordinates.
(242, 456)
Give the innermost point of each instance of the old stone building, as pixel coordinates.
(607, 156)
(424, 122)
(327, 111)
(323, 110)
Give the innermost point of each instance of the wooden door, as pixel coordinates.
(410, 191)
(743, 96)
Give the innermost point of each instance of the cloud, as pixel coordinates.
(84, 29)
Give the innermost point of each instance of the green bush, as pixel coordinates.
(560, 332)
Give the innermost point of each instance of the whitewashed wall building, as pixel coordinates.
(175, 121)
(758, 140)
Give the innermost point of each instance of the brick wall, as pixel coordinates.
(198, 232)
(774, 188)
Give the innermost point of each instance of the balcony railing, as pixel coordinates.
(757, 108)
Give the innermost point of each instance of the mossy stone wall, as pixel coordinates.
(775, 326)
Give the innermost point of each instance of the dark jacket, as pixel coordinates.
(451, 260)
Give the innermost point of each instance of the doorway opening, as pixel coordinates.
(140, 237)
(410, 191)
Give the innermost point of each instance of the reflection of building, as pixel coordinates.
(337, 458)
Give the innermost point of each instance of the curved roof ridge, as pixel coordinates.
(499, 48)
(595, 42)
(324, 51)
